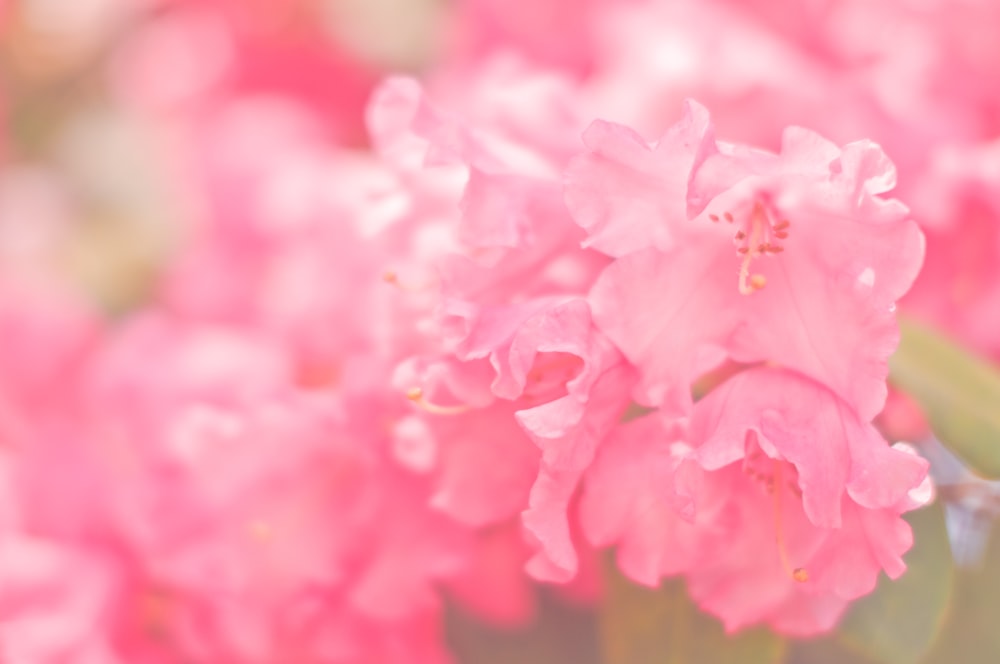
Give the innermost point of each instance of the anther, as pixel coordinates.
(391, 277)
(416, 395)
(757, 239)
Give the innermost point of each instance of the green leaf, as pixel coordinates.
(971, 634)
(898, 623)
(825, 650)
(959, 393)
(644, 626)
(559, 633)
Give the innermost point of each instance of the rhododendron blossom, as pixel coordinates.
(790, 258)
(588, 281)
(776, 501)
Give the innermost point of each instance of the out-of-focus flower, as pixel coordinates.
(277, 515)
(959, 287)
(195, 54)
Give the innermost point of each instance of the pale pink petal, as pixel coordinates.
(638, 494)
(629, 195)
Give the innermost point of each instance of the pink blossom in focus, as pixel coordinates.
(779, 504)
(513, 296)
(391, 366)
(734, 267)
(788, 449)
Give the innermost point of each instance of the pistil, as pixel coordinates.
(798, 574)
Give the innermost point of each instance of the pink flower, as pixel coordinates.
(959, 288)
(518, 344)
(49, 331)
(779, 504)
(58, 603)
(792, 258)
(640, 495)
(301, 240)
(550, 32)
(252, 514)
(817, 494)
(192, 54)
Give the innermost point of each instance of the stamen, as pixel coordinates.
(798, 574)
(416, 395)
(762, 241)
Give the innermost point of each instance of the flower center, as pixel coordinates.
(758, 236)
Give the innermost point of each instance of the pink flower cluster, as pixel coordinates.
(505, 337)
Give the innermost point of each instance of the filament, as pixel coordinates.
(750, 283)
(798, 574)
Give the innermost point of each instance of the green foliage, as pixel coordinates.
(959, 393)
(971, 633)
(644, 626)
(899, 621)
